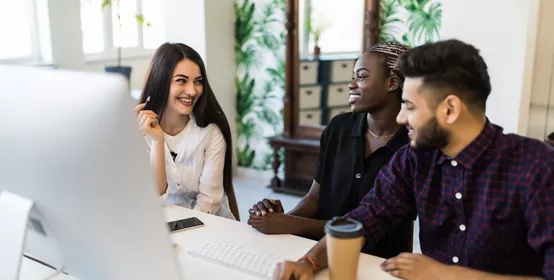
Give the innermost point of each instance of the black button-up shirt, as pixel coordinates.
(345, 177)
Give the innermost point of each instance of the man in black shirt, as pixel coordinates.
(353, 148)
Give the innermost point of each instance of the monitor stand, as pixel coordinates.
(14, 217)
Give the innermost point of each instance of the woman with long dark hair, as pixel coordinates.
(188, 135)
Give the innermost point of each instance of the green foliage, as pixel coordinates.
(246, 156)
(388, 18)
(425, 24)
(141, 21)
(422, 24)
(259, 32)
(246, 54)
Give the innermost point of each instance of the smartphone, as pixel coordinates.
(183, 224)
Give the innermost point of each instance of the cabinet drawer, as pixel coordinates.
(337, 111)
(310, 97)
(337, 95)
(312, 117)
(308, 72)
(341, 70)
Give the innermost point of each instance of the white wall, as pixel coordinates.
(220, 58)
(541, 121)
(505, 32)
(65, 34)
(208, 27)
(185, 23)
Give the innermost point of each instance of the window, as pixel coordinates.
(340, 22)
(104, 30)
(19, 32)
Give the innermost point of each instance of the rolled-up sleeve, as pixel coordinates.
(391, 198)
(539, 215)
(211, 190)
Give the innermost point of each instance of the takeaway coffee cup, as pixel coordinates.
(344, 239)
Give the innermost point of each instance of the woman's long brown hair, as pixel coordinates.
(206, 111)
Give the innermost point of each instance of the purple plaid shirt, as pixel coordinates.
(491, 208)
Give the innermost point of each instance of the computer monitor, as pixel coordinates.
(70, 144)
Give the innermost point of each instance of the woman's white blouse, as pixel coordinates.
(195, 178)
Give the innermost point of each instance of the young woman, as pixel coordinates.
(188, 135)
(354, 146)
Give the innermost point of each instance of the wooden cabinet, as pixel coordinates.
(315, 91)
(330, 91)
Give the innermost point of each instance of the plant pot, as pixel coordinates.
(124, 70)
(317, 52)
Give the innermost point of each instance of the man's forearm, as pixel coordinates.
(319, 254)
(463, 273)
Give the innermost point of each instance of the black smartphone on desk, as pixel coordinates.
(188, 223)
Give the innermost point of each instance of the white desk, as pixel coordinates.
(216, 228)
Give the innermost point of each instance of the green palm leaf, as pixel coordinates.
(425, 25)
(246, 98)
(412, 5)
(280, 4)
(388, 19)
(266, 37)
(407, 41)
(244, 22)
(245, 156)
(256, 32)
(246, 55)
(278, 74)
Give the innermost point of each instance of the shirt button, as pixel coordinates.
(358, 176)
(454, 163)
(458, 195)
(462, 227)
(455, 260)
(178, 185)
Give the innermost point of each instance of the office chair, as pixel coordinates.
(233, 203)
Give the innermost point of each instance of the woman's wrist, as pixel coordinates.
(158, 142)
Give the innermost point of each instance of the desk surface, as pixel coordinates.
(217, 228)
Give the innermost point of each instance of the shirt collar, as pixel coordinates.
(469, 155)
(399, 139)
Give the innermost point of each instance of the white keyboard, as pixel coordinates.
(237, 257)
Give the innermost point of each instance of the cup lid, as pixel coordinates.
(341, 227)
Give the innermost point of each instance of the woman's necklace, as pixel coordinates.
(376, 136)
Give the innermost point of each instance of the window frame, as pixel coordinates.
(35, 56)
(304, 46)
(110, 51)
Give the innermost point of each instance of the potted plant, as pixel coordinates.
(314, 29)
(118, 68)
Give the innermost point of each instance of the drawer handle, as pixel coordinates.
(305, 67)
(308, 92)
(309, 116)
(344, 65)
(339, 89)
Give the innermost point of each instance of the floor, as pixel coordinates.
(251, 186)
